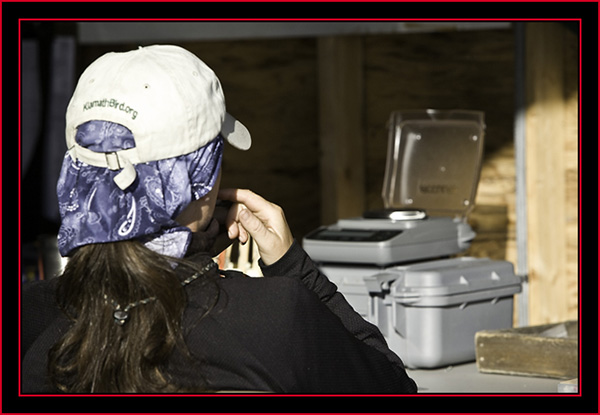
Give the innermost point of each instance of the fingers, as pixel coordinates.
(252, 224)
(231, 222)
(249, 209)
(257, 204)
(264, 221)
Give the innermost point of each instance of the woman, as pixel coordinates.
(141, 306)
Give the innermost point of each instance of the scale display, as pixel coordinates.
(352, 235)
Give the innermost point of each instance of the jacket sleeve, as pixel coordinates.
(297, 264)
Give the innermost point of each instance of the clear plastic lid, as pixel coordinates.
(433, 161)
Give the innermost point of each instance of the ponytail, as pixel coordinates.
(101, 353)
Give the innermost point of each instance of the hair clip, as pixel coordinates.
(120, 316)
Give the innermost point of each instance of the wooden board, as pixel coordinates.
(548, 350)
(341, 128)
(551, 159)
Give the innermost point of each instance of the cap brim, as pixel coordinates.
(236, 133)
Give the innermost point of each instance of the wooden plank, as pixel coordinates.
(548, 350)
(549, 135)
(341, 128)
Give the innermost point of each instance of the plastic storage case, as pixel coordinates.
(429, 312)
(350, 282)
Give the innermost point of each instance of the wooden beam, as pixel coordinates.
(549, 134)
(341, 127)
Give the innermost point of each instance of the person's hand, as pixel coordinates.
(252, 215)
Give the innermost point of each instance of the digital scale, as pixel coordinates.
(431, 177)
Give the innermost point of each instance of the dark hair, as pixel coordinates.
(99, 355)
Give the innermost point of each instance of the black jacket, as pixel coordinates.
(289, 332)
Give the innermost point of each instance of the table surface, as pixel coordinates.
(465, 378)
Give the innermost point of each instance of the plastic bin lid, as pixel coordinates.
(433, 160)
(443, 278)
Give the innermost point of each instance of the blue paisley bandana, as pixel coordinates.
(94, 209)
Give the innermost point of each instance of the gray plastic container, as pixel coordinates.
(350, 281)
(429, 312)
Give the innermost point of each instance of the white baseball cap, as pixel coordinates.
(166, 96)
